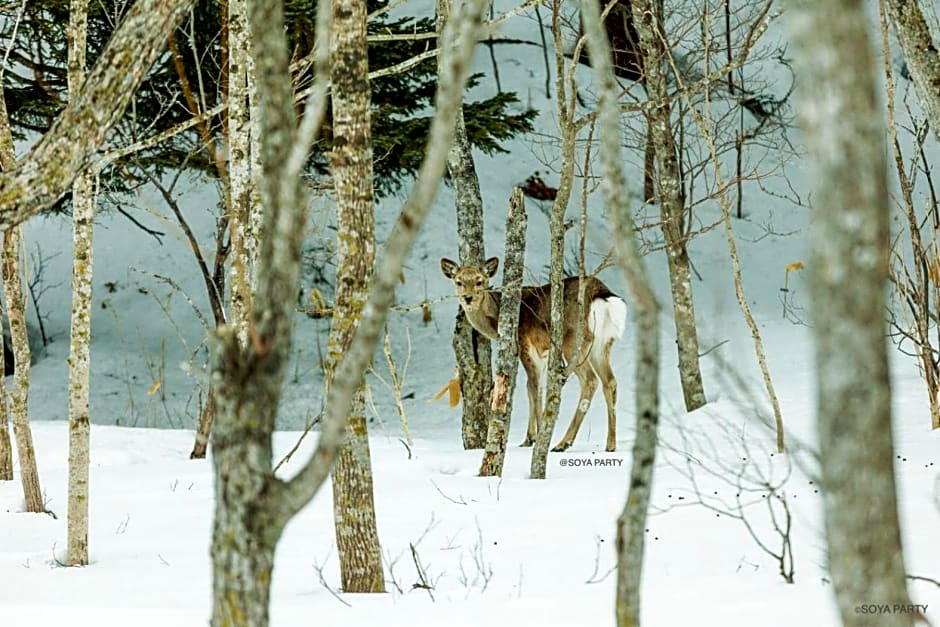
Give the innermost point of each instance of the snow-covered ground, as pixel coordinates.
(501, 551)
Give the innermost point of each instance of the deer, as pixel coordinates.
(602, 323)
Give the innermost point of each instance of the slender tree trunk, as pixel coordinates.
(922, 55)
(6, 445)
(842, 118)
(83, 216)
(507, 347)
(19, 391)
(7, 159)
(632, 521)
(239, 167)
(16, 315)
(556, 371)
(472, 351)
(360, 556)
(647, 17)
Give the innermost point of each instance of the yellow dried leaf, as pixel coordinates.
(452, 389)
(454, 386)
(796, 265)
(153, 388)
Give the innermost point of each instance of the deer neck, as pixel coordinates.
(485, 318)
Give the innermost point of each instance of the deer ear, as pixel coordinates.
(490, 266)
(448, 267)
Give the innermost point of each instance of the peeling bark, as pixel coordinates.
(507, 346)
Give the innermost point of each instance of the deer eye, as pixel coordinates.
(458, 283)
(479, 282)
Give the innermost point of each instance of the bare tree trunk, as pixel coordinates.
(360, 556)
(83, 216)
(7, 159)
(472, 351)
(843, 126)
(507, 347)
(240, 197)
(6, 445)
(239, 167)
(252, 505)
(19, 391)
(921, 54)
(556, 371)
(632, 521)
(16, 315)
(648, 20)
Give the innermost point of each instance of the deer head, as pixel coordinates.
(471, 282)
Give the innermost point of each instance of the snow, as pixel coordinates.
(499, 551)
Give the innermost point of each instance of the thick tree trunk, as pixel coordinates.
(472, 351)
(252, 506)
(83, 216)
(921, 54)
(842, 118)
(632, 521)
(507, 347)
(357, 539)
(247, 379)
(648, 20)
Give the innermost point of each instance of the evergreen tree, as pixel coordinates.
(36, 88)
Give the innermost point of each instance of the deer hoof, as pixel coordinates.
(562, 446)
(611, 448)
(529, 441)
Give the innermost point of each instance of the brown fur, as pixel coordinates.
(481, 306)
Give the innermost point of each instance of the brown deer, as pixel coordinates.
(602, 323)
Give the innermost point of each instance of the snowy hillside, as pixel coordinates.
(496, 551)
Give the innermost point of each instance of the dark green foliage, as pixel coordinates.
(36, 91)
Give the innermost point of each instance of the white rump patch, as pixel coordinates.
(607, 319)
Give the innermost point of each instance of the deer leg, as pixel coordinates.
(601, 365)
(533, 377)
(588, 381)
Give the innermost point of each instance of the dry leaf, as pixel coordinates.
(452, 388)
(153, 388)
(796, 265)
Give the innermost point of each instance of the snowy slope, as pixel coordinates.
(510, 551)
